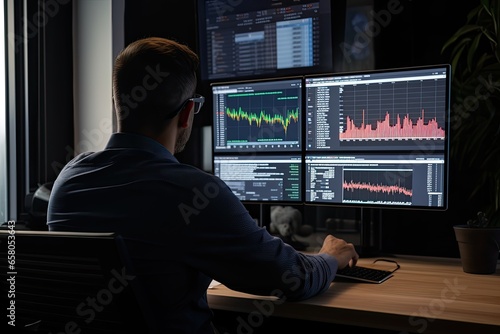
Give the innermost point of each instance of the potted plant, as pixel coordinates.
(475, 123)
(479, 245)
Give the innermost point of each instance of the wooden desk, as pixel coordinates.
(426, 295)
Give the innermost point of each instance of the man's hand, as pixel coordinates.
(344, 252)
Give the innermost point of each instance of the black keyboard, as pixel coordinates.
(364, 274)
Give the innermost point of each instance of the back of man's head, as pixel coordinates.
(151, 79)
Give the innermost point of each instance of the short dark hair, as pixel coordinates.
(152, 77)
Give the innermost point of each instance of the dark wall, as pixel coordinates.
(416, 33)
(174, 19)
(45, 132)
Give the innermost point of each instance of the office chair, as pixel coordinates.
(66, 281)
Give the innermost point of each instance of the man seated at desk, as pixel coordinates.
(183, 227)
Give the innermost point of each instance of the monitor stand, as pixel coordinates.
(370, 233)
(364, 230)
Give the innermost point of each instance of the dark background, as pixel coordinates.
(411, 38)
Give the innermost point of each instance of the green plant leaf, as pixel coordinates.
(475, 114)
(461, 33)
(472, 51)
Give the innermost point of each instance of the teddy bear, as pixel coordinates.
(286, 223)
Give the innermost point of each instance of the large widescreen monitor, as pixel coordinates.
(368, 139)
(249, 39)
(378, 138)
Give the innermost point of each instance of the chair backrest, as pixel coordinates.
(65, 281)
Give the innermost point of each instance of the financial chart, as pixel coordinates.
(260, 116)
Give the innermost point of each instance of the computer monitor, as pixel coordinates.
(248, 39)
(257, 138)
(262, 178)
(378, 138)
(257, 116)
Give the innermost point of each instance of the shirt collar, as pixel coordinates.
(137, 141)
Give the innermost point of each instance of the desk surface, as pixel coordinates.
(426, 295)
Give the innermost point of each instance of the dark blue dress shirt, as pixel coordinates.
(183, 227)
